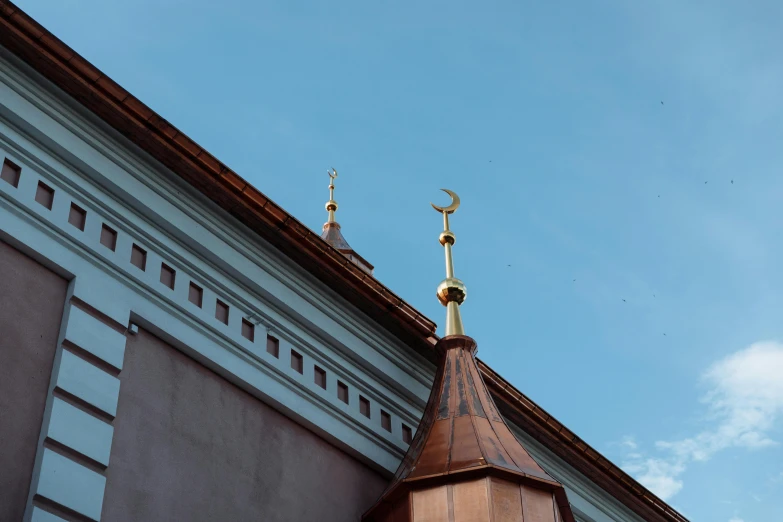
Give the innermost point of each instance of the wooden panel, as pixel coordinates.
(538, 505)
(506, 501)
(402, 511)
(431, 505)
(471, 502)
(558, 516)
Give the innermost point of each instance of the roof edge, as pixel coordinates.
(65, 68)
(61, 65)
(565, 444)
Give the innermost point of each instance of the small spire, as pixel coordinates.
(331, 205)
(332, 234)
(451, 291)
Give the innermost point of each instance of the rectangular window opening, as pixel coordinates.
(319, 377)
(10, 173)
(44, 195)
(386, 421)
(364, 406)
(273, 346)
(77, 216)
(195, 294)
(139, 257)
(167, 275)
(407, 434)
(297, 362)
(221, 311)
(248, 330)
(342, 392)
(108, 237)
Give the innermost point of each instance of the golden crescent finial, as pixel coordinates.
(451, 291)
(454, 203)
(331, 205)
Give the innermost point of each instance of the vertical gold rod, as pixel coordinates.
(447, 247)
(451, 291)
(331, 198)
(331, 205)
(449, 261)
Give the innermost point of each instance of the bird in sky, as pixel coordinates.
(732, 182)
(705, 182)
(661, 103)
(624, 301)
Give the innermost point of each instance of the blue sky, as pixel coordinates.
(547, 119)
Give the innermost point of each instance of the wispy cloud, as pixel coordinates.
(743, 403)
(659, 475)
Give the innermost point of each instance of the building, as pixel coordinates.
(166, 347)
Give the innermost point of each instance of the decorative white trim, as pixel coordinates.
(90, 165)
(39, 515)
(207, 248)
(80, 431)
(71, 485)
(89, 334)
(159, 194)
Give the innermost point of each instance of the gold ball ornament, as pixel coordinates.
(447, 236)
(452, 290)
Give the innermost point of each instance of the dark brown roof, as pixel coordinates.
(58, 63)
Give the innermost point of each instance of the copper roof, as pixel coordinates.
(332, 235)
(67, 70)
(462, 438)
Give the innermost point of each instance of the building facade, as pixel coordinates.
(175, 346)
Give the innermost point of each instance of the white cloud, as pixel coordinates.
(744, 401)
(658, 475)
(629, 442)
(735, 519)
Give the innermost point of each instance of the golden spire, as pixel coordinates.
(331, 205)
(451, 291)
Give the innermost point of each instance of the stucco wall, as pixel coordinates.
(31, 307)
(189, 445)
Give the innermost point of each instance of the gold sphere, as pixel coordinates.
(447, 236)
(452, 290)
(331, 205)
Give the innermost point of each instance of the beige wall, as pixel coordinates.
(189, 445)
(31, 307)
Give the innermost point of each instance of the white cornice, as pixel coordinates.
(86, 166)
(168, 186)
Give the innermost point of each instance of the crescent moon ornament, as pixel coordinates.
(451, 208)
